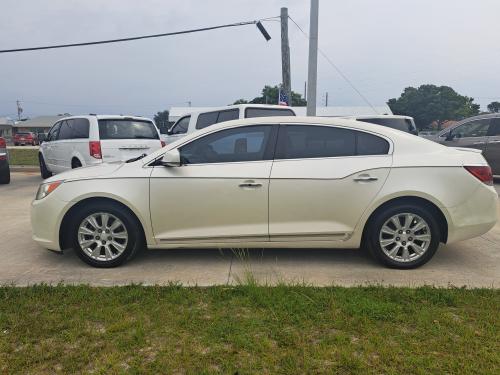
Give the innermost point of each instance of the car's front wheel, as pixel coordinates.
(404, 236)
(105, 235)
(44, 172)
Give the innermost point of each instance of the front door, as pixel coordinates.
(322, 180)
(220, 193)
(472, 134)
(492, 152)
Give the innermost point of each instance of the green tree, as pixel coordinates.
(494, 107)
(161, 120)
(269, 95)
(429, 103)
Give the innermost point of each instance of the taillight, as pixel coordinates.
(95, 149)
(163, 144)
(481, 172)
(2, 143)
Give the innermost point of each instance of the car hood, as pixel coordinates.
(87, 172)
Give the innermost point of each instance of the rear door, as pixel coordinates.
(323, 178)
(125, 138)
(492, 152)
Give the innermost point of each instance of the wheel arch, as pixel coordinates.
(409, 199)
(64, 242)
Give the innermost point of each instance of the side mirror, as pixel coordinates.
(171, 158)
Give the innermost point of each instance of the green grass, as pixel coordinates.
(249, 330)
(23, 156)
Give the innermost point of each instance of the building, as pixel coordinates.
(39, 124)
(176, 112)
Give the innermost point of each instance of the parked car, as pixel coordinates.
(273, 182)
(25, 138)
(403, 123)
(479, 132)
(191, 122)
(81, 141)
(4, 162)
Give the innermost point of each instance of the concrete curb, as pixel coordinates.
(24, 168)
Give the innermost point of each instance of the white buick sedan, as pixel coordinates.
(273, 182)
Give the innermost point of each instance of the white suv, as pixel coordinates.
(81, 141)
(193, 121)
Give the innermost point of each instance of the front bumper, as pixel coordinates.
(46, 218)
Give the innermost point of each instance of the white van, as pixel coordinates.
(193, 121)
(80, 141)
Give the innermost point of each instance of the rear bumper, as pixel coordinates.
(474, 217)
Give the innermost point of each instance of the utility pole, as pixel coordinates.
(312, 75)
(19, 110)
(326, 99)
(305, 90)
(285, 56)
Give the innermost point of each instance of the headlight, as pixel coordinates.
(46, 189)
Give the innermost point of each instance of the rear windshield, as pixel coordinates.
(127, 129)
(23, 133)
(394, 123)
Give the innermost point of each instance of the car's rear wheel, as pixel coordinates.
(105, 235)
(44, 172)
(75, 163)
(404, 236)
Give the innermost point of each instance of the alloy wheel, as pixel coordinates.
(405, 237)
(102, 236)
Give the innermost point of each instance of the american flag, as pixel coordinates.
(283, 98)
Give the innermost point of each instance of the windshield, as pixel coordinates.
(127, 129)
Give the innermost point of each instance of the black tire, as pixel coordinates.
(135, 241)
(44, 172)
(375, 248)
(75, 163)
(5, 174)
(16, 144)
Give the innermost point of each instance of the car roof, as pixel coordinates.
(236, 106)
(407, 141)
(108, 117)
(380, 116)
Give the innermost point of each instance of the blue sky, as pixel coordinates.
(382, 46)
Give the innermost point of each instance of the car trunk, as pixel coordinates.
(123, 139)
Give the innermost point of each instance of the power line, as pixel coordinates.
(337, 69)
(236, 24)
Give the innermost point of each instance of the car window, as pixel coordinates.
(181, 126)
(476, 128)
(231, 114)
(206, 119)
(266, 112)
(80, 128)
(369, 144)
(494, 130)
(309, 141)
(66, 130)
(127, 129)
(249, 143)
(52, 136)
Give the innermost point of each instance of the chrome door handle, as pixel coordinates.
(365, 178)
(250, 184)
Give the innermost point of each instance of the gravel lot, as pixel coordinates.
(474, 263)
